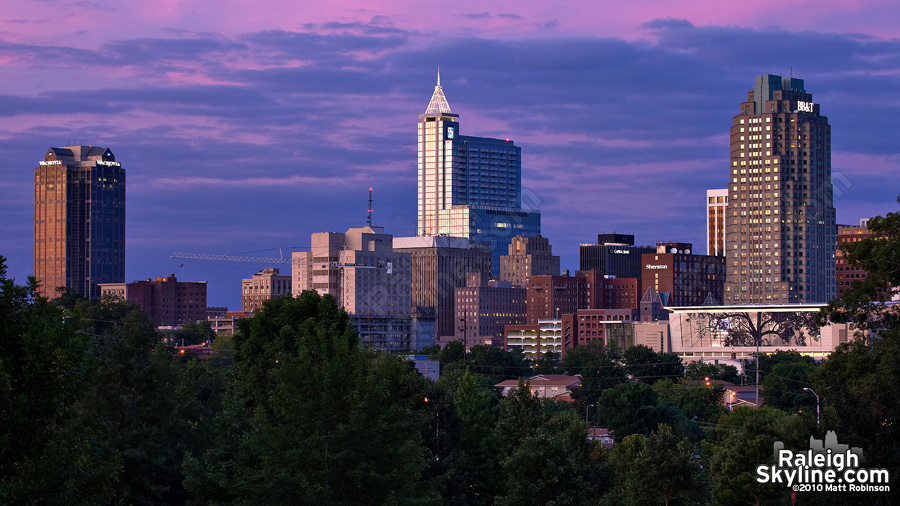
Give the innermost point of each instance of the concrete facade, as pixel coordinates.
(536, 339)
(716, 207)
(370, 281)
(264, 285)
(526, 257)
(780, 223)
(359, 268)
(715, 333)
(439, 266)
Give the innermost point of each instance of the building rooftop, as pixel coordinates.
(438, 105)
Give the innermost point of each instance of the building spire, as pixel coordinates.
(438, 104)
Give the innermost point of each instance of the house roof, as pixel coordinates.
(544, 380)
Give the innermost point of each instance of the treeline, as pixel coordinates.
(96, 409)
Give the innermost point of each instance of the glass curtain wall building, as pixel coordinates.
(469, 186)
(79, 220)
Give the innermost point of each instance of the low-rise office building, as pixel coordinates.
(165, 300)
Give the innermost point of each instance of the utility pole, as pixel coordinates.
(464, 321)
(810, 390)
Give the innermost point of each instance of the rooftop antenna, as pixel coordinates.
(369, 220)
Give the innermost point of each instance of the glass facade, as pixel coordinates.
(79, 220)
(469, 186)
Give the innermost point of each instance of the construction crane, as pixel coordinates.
(330, 265)
(232, 258)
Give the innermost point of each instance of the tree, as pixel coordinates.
(552, 433)
(865, 303)
(784, 381)
(311, 418)
(492, 362)
(48, 453)
(549, 363)
(141, 401)
(658, 467)
(694, 399)
(194, 333)
(477, 460)
(598, 373)
(859, 388)
(747, 436)
(701, 370)
(634, 408)
(646, 365)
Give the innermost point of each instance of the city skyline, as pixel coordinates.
(248, 131)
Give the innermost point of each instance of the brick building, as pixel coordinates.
(264, 285)
(684, 279)
(847, 273)
(484, 307)
(165, 300)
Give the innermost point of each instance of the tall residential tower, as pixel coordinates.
(780, 224)
(469, 186)
(79, 220)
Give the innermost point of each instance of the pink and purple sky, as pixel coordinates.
(245, 127)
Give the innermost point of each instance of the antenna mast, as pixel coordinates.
(369, 220)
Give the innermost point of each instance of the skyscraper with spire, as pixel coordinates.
(469, 186)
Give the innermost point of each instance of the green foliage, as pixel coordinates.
(452, 353)
(865, 303)
(48, 453)
(598, 372)
(859, 386)
(634, 408)
(549, 363)
(193, 333)
(491, 362)
(477, 459)
(783, 386)
(550, 432)
(311, 418)
(140, 399)
(700, 370)
(746, 437)
(658, 468)
(694, 399)
(646, 365)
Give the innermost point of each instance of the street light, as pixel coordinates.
(810, 390)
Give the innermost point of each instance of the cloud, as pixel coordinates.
(233, 142)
